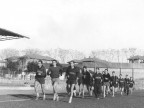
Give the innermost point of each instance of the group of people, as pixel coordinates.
(99, 83)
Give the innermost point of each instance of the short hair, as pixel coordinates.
(54, 60)
(106, 69)
(40, 61)
(97, 68)
(71, 61)
(113, 71)
(85, 67)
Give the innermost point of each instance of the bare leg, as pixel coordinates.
(113, 91)
(104, 91)
(122, 89)
(83, 91)
(56, 97)
(80, 89)
(91, 90)
(131, 90)
(88, 88)
(43, 91)
(36, 86)
(72, 89)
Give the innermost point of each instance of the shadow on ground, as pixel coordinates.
(33, 96)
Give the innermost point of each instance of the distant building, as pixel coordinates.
(136, 59)
(24, 60)
(2, 63)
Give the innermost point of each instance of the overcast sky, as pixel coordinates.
(82, 25)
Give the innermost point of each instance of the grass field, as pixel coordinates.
(26, 99)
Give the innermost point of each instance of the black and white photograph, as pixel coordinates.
(71, 53)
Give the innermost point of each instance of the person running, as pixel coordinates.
(86, 80)
(114, 83)
(121, 84)
(131, 84)
(40, 79)
(97, 83)
(126, 85)
(55, 71)
(72, 73)
(91, 85)
(80, 81)
(68, 86)
(106, 83)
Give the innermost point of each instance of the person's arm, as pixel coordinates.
(67, 73)
(49, 71)
(60, 71)
(77, 74)
(44, 72)
(101, 78)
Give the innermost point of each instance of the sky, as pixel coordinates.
(82, 25)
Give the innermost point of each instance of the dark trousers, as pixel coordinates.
(97, 90)
(126, 89)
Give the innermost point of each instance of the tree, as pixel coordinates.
(32, 51)
(62, 54)
(32, 66)
(13, 67)
(6, 53)
(132, 51)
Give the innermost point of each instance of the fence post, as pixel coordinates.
(120, 70)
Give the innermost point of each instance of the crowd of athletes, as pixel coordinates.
(99, 84)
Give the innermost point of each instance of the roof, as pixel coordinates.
(12, 58)
(95, 62)
(9, 35)
(1, 61)
(137, 57)
(75, 60)
(31, 56)
(35, 56)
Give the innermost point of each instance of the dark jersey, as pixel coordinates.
(121, 81)
(72, 73)
(106, 77)
(80, 76)
(54, 72)
(126, 81)
(98, 78)
(114, 79)
(86, 78)
(41, 72)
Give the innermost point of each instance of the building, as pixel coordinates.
(24, 60)
(2, 63)
(136, 59)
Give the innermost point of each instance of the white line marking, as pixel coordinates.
(14, 100)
